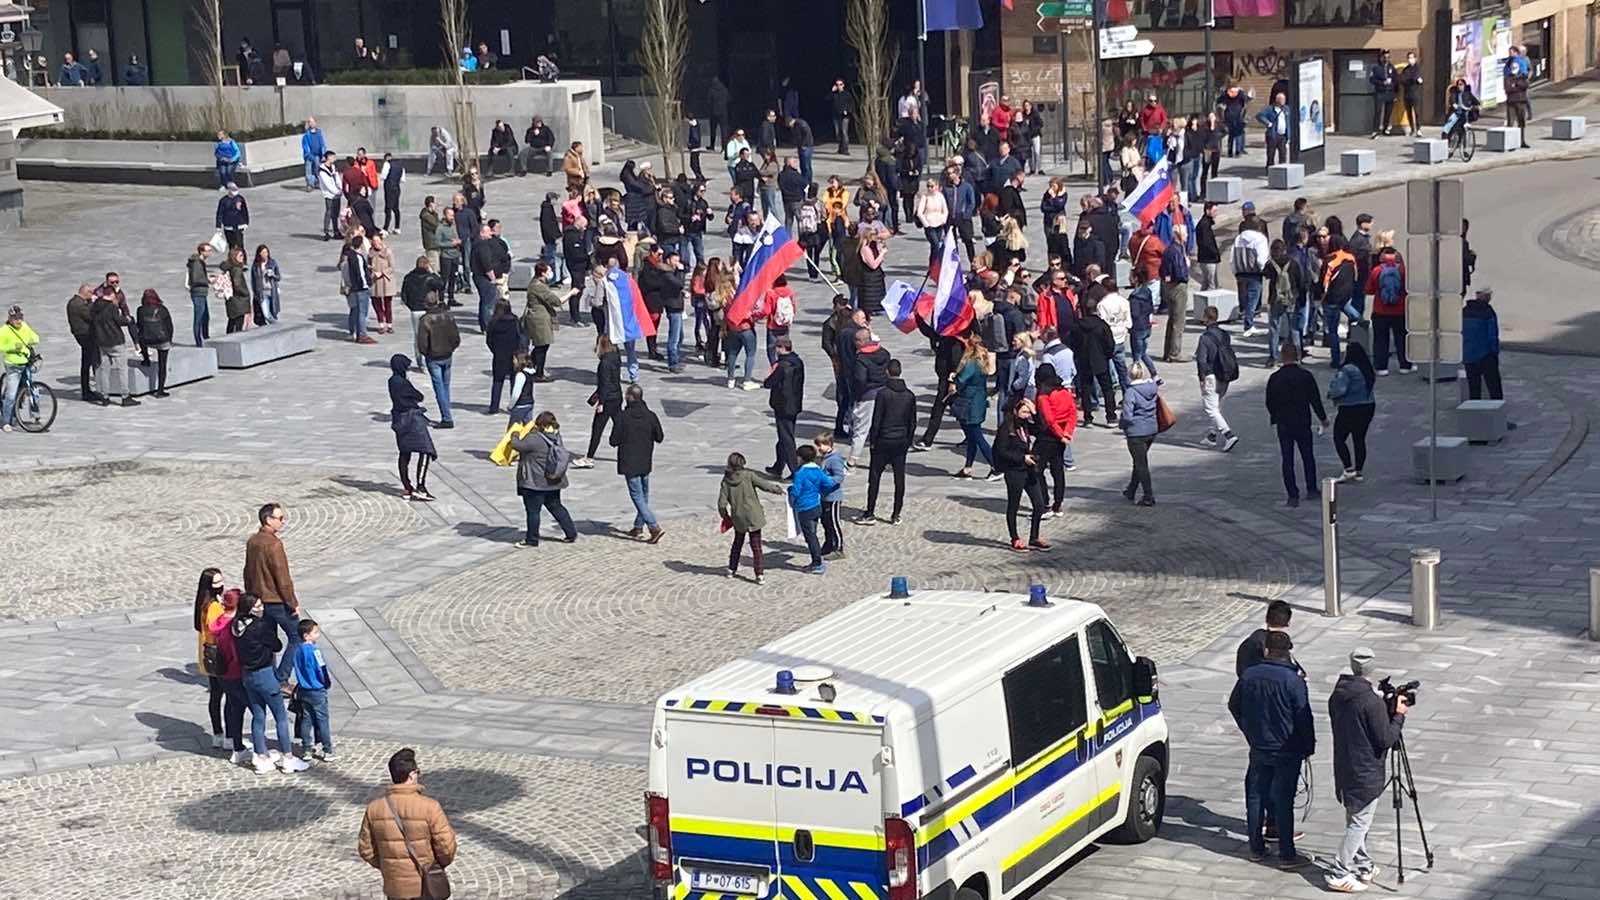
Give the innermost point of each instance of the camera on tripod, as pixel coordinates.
(1392, 692)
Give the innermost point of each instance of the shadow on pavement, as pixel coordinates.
(177, 734)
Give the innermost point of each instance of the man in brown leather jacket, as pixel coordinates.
(266, 574)
(427, 831)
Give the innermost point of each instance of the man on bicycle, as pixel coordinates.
(17, 341)
(1463, 108)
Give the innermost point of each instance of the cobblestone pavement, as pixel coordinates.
(137, 534)
(1576, 238)
(486, 630)
(192, 827)
(523, 675)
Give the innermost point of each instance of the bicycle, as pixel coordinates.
(1458, 132)
(36, 401)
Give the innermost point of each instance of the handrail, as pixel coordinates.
(604, 109)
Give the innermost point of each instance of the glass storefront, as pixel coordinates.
(1160, 15)
(1177, 79)
(1537, 43)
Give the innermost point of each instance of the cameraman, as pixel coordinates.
(1364, 728)
(1271, 706)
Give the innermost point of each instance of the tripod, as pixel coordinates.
(1402, 785)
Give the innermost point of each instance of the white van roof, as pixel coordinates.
(890, 658)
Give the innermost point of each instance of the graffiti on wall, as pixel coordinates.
(1268, 63)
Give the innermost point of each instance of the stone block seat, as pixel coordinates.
(1482, 421)
(184, 365)
(1226, 302)
(1450, 463)
(269, 343)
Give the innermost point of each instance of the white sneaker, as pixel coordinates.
(1249, 332)
(732, 384)
(290, 764)
(583, 462)
(1383, 371)
(262, 764)
(1349, 884)
(1229, 442)
(216, 742)
(240, 757)
(1210, 440)
(274, 755)
(752, 385)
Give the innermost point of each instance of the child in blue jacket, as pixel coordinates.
(810, 485)
(833, 501)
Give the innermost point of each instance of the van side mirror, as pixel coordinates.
(1144, 678)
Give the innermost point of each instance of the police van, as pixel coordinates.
(929, 744)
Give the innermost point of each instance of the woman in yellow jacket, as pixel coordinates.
(836, 210)
(207, 609)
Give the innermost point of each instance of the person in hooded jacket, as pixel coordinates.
(108, 325)
(1058, 419)
(635, 435)
(1139, 427)
(637, 194)
(542, 462)
(741, 511)
(786, 382)
(869, 372)
(409, 423)
(893, 428)
(1020, 464)
(153, 326)
(1096, 346)
(231, 676)
(606, 401)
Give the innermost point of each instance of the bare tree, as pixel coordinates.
(664, 52)
(457, 34)
(206, 22)
(866, 30)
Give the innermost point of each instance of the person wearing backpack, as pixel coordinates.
(808, 219)
(1285, 292)
(1217, 367)
(542, 463)
(1387, 286)
(1350, 389)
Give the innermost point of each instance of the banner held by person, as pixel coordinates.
(952, 306)
(627, 317)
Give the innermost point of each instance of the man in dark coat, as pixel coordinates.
(1273, 710)
(1384, 80)
(894, 423)
(1364, 729)
(635, 435)
(787, 382)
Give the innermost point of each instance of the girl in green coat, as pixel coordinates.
(740, 508)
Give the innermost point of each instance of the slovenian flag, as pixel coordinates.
(775, 251)
(952, 308)
(1152, 194)
(900, 305)
(628, 318)
(952, 15)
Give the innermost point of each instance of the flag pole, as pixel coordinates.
(922, 73)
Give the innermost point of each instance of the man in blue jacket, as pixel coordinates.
(1276, 118)
(312, 148)
(1271, 706)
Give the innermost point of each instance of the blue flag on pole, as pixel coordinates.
(952, 15)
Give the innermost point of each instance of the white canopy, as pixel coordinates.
(21, 108)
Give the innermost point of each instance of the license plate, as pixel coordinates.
(744, 883)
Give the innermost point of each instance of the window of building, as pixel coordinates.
(1113, 669)
(1334, 13)
(1045, 700)
(1536, 43)
(1177, 79)
(1160, 15)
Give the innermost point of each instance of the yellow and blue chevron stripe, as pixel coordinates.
(845, 865)
(794, 887)
(735, 707)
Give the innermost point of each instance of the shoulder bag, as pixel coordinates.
(435, 882)
(1165, 418)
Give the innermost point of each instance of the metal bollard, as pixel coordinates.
(1330, 548)
(1594, 604)
(1425, 587)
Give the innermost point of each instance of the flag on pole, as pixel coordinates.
(951, 15)
(1006, 4)
(627, 318)
(1150, 197)
(775, 251)
(952, 307)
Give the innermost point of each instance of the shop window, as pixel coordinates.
(1536, 43)
(1177, 79)
(1335, 13)
(1160, 15)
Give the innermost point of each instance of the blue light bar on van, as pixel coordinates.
(898, 588)
(785, 682)
(1037, 595)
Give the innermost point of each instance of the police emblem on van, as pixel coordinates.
(779, 775)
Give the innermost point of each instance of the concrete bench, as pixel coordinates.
(1482, 421)
(1502, 140)
(1358, 162)
(1286, 176)
(1226, 302)
(1450, 462)
(1225, 190)
(1429, 151)
(184, 365)
(244, 349)
(1568, 128)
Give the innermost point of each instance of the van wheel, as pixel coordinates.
(967, 893)
(1147, 804)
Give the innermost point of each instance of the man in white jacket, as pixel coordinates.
(328, 186)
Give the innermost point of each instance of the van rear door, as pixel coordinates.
(723, 813)
(829, 792)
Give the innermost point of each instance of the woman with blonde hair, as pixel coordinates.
(971, 405)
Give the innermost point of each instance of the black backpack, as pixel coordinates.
(1227, 362)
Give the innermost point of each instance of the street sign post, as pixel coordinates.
(1435, 210)
(1071, 13)
(1119, 34)
(1127, 49)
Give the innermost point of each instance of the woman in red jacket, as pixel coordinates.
(1058, 416)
